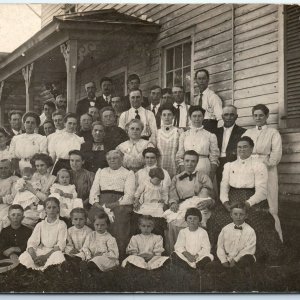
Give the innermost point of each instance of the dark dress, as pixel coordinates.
(114, 136)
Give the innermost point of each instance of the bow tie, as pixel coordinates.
(185, 175)
(238, 227)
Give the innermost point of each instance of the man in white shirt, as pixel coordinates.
(138, 112)
(209, 101)
(155, 98)
(181, 119)
(228, 136)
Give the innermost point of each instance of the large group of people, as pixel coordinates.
(139, 182)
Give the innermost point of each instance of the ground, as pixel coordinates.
(284, 278)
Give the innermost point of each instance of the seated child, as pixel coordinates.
(145, 249)
(237, 240)
(48, 240)
(13, 239)
(100, 250)
(65, 193)
(183, 206)
(27, 198)
(192, 247)
(78, 232)
(150, 198)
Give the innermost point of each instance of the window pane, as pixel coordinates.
(178, 57)
(178, 77)
(170, 79)
(169, 59)
(187, 54)
(187, 78)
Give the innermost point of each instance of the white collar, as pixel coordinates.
(244, 160)
(182, 104)
(138, 109)
(262, 127)
(16, 132)
(156, 106)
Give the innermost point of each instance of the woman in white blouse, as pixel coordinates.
(24, 146)
(63, 143)
(134, 147)
(267, 149)
(245, 180)
(113, 190)
(200, 140)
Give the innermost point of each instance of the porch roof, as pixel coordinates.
(79, 26)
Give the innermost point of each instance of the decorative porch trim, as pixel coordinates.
(27, 72)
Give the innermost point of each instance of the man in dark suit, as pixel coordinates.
(227, 137)
(91, 100)
(133, 84)
(106, 85)
(15, 121)
(155, 98)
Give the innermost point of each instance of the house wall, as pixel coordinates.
(239, 45)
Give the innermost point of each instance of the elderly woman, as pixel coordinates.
(186, 185)
(245, 180)
(200, 140)
(267, 149)
(42, 163)
(168, 139)
(151, 156)
(4, 148)
(7, 190)
(94, 150)
(114, 188)
(134, 147)
(24, 146)
(63, 143)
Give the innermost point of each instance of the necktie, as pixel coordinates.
(177, 117)
(200, 99)
(238, 227)
(153, 109)
(137, 116)
(190, 176)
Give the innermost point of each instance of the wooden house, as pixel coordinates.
(252, 52)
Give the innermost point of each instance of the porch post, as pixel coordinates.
(69, 51)
(27, 72)
(1, 104)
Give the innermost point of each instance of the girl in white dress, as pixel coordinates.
(192, 246)
(48, 240)
(100, 250)
(145, 249)
(65, 193)
(267, 149)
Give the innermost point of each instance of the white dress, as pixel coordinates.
(24, 146)
(66, 204)
(268, 149)
(133, 154)
(140, 244)
(101, 249)
(44, 238)
(204, 143)
(195, 242)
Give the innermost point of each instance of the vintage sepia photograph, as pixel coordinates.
(149, 148)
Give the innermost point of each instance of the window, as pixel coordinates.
(69, 8)
(292, 65)
(178, 67)
(119, 78)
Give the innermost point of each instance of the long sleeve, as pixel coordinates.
(8, 198)
(43, 145)
(19, 184)
(129, 189)
(180, 245)
(132, 247)
(139, 191)
(95, 189)
(12, 148)
(214, 151)
(122, 121)
(224, 190)
(221, 253)
(112, 247)
(62, 236)
(35, 238)
(249, 248)
(217, 104)
(205, 243)
(174, 198)
(261, 183)
(70, 246)
(153, 127)
(158, 247)
(276, 150)
(74, 193)
(165, 194)
(180, 152)
(85, 252)
(206, 185)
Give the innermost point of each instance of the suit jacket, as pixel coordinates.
(84, 104)
(126, 102)
(157, 116)
(11, 133)
(237, 132)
